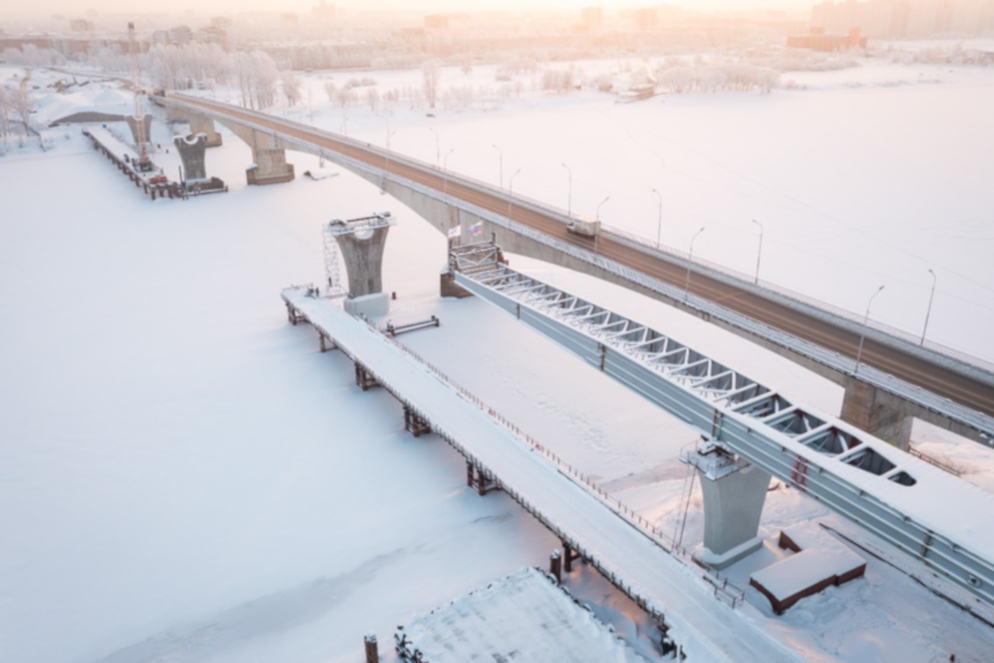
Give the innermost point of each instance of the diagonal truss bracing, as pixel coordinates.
(890, 493)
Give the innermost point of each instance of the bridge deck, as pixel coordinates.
(704, 626)
(896, 496)
(838, 338)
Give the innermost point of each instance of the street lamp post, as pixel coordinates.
(569, 199)
(862, 336)
(501, 156)
(935, 280)
(759, 255)
(599, 205)
(445, 172)
(597, 216)
(686, 285)
(659, 228)
(438, 148)
(510, 193)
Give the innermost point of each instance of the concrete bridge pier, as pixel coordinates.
(878, 412)
(734, 493)
(270, 166)
(362, 242)
(133, 125)
(192, 150)
(199, 124)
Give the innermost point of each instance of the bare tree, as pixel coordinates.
(21, 103)
(4, 111)
(291, 87)
(432, 72)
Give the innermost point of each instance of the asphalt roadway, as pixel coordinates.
(938, 379)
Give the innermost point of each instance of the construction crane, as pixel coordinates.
(144, 163)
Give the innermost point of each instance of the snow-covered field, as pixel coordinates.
(868, 176)
(184, 477)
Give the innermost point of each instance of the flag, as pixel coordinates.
(476, 228)
(455, 231)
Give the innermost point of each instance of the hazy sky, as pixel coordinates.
(79, 7)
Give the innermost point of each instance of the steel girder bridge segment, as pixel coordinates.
(919, 509)
(960, 392)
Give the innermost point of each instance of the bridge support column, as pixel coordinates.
(734, 493)
(199, 124)
(133, 125)
(876, 412)
(362, 253)
(192, 150)
(270, 167)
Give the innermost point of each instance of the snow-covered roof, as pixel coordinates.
(523, 617)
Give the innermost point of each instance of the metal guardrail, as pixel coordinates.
(853, 473)
(980, 422)
(908, 341)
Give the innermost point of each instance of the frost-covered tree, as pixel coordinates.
(290, 85)
(21, 104)
(4, 112)
(431, 75)
(331, 90)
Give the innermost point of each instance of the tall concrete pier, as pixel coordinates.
(734, 492)
(361, 243)
(192, 150)
(133, 125)
(269, 155)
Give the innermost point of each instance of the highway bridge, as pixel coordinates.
(895, 381)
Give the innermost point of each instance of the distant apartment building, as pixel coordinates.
(323, 11)
(645, 17)
(906, 19)
(817, 40)
(181, 34)
(81, 25)
(289, 19)
(437, 22)
(591, 16)
(221, 22)
(211, 35)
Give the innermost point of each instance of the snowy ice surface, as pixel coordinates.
(183, 475)
(870, 175)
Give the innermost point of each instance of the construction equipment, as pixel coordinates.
(144, 163)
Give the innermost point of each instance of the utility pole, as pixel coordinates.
(569, 199)
(759, 255)
(862, 336)
(686, 285)
(445, 172)
(500, 152)
(931, 297)
(438, 148)
(659, 228)
(510, 193)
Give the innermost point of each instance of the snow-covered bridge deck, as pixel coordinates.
(665, 584)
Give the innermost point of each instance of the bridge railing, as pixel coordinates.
(954, 359)
(644, 244)
(818, 305)
(723, 589)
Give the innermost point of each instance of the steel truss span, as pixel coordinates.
(892, 494)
